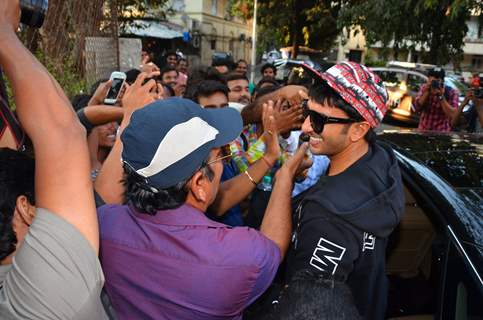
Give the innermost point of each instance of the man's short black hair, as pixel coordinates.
(324, 94)
(146, 199)
(207, 88)
(268, 66)
(267, 80)
(132, 75)
(17, 173)
(167, 69)
(241, 60)
(198, 75)
(80, 101)
(232, 76)
(171, 53)
(437, 73)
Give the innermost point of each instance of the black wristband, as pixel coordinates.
(84, 121)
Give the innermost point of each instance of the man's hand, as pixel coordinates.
(139, 95)
(293, 94)
(296, 164)
(100, 94)
(149, 67)
(289, 119)
(270, 134)
(9, 15)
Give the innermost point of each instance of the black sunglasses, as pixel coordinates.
(318, 120)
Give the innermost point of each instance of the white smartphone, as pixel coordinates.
(118, 79)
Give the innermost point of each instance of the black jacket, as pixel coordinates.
(341, 226)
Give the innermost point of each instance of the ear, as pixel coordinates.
(196, 186)
(359, 130)
(25, 209)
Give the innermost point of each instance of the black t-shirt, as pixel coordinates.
(341, 226)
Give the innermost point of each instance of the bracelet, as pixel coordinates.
(267, 162)
(250, 178)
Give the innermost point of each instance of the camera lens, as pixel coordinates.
(33, 12)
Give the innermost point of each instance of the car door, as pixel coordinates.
(463, 287)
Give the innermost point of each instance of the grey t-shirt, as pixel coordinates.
(54, 275)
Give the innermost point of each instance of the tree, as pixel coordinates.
(293, 23)
(437, 26)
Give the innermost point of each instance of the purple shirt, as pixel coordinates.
(178, 264)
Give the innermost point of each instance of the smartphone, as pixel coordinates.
(118, 79)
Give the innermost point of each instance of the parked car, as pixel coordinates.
(403, 85)
(435, 255)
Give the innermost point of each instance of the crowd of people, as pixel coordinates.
(197, 195)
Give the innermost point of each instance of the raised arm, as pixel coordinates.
(252, 113)
(277, 221)
(62, 181)
(233, 191)
(109, 181)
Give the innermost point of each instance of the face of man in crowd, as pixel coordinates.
(107, 134)
(215, 101)
(172, 60)
(222, 69)
(183, 66)
(241, 67)
(269, 72)
(334, 139)
(239, 91)
(170, 78)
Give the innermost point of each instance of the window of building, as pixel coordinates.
(213, 44)
(214, 7)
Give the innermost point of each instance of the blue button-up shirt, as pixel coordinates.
(178, 264)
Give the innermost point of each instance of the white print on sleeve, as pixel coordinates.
(326, 256)
(368, 242)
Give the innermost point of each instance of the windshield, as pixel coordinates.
(457, 85)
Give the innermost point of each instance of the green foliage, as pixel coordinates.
(311, 23)
(437, 26)
(139, 8)
(65, 73)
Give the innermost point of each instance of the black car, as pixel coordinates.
(435, 255)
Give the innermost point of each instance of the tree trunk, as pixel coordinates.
(296, 29)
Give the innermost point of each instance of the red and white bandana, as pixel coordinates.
(360, 88)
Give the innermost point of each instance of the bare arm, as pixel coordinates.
(108, 183)
(277, 221)
(252, 113)
(422, 100)
(233, 191)
(102, 114)
(62, 180)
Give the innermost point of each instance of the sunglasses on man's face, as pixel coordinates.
(319, 120)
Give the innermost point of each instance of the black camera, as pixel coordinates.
(436, 84)
(33, 12)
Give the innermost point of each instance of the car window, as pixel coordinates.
(463, 291)
(456, 85)
(391, 79)
(415, 82)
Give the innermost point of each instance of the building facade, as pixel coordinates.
(352, 46)
(211, 29)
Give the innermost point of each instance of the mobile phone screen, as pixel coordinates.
(115, 88)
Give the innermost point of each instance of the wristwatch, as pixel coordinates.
(441, 97)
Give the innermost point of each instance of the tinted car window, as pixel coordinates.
(463, 292)
(391, 79)
(415, 82)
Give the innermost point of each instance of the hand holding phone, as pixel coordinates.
(118, 79)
